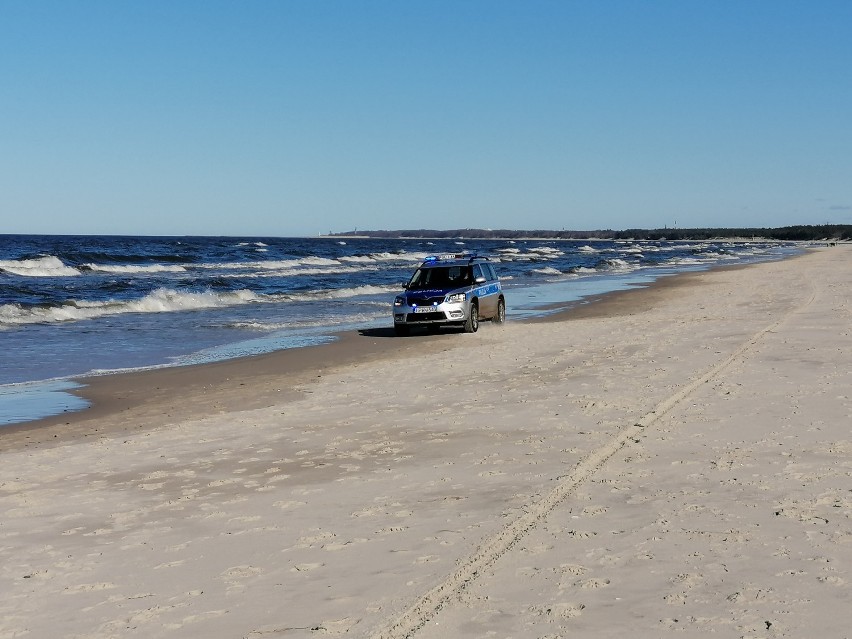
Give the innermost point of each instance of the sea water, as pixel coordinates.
(76, 306)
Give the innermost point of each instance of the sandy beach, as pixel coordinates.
(668, 461)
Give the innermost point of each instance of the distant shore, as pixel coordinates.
(802, 233)
(544, 238)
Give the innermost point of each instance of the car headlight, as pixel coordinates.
(456, 297)
(399, 300)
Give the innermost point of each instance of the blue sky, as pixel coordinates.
(302, 117)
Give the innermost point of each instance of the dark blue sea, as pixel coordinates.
(76, 306)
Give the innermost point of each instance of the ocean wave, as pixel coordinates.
(314, 265)
(272, 265)
(683, 261)
(364, 289)
(293, 272)
(263, 326)
(359, 259)
(535, 254)
(546, 250)
(308, 265)
(134, 269)
(168, 300)
(319, 261)
(271, 327)
(159, 301)
(385, 257)
(341, 293)
(47, 266)
(717, 255)
(547, 270)
(615, 264)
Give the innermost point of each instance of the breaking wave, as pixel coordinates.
(48, 266)
(134, 269)
(159, 301)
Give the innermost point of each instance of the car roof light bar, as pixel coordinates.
(454, 256)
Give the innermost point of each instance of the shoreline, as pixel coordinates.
(150, 396)
(73, 354)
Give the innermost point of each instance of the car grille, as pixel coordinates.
(424, 301)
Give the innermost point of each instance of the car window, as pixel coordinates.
(489, 271)
(459, 276)
(440, 277)
(424, 278)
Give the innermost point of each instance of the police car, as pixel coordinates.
(450, 290)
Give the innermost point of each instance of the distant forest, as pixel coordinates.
(824, 232)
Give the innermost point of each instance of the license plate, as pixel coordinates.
(425, 309)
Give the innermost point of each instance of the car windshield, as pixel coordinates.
(440, 277)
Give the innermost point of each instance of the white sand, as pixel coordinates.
(679, 466)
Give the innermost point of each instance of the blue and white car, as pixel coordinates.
(450, 290)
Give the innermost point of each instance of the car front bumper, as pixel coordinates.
(446, 313)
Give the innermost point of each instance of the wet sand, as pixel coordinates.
(670, 460)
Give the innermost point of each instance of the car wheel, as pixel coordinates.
(472, 323)
(501, 313)
(400, 329)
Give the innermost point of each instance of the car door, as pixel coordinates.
(486, 291)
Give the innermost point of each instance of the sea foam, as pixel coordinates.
(133, 269)
(159, 301)
(48, 266)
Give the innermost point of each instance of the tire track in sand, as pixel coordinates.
(491, 549)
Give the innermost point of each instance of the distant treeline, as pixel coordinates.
(802, 233)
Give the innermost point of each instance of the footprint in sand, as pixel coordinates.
(538, 549)
(571, 569)
(320, 538)
(238, 573)
(346, 544)
(677, 598)
(582, 534)
(286, 505)
(559, 610)
(594, 583)
(337, 626)
(391, 529)
(70, 590)
(306, 567)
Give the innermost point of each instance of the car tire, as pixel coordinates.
(401, 330)
(471, 325)
(500, 317)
